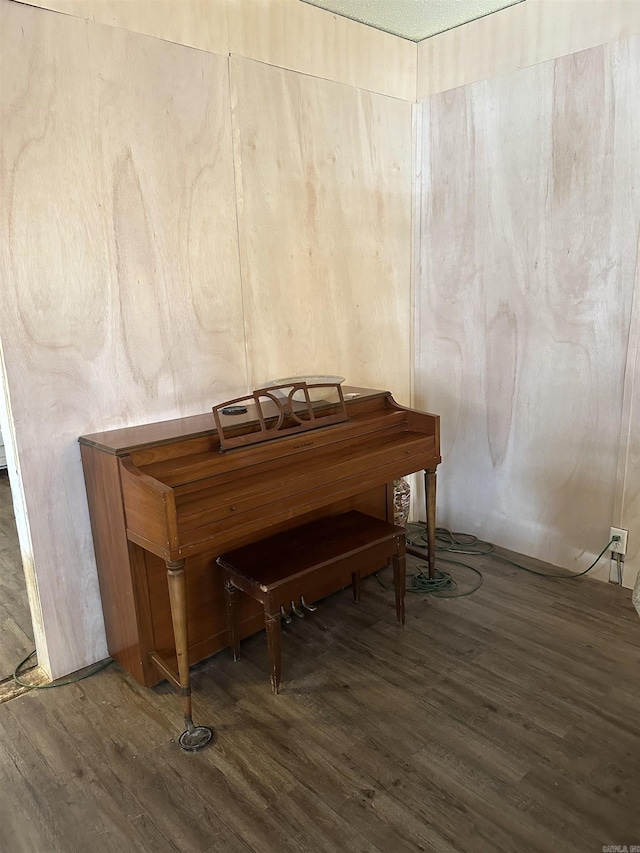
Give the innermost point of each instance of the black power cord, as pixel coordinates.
(16, 678)
(443, 584)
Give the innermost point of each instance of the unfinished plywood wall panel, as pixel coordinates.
(324, 182)
(627, 513)
(304, 38)
(287, 33)
(627, 63)
(530, 221)
(121, 297)
(519, 36)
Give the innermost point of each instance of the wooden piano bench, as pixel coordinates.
(303, 563)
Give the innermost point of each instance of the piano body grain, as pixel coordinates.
(162, 493)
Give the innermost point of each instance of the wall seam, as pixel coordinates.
(236, 153)
(416, 241)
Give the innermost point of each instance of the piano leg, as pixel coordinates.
(194, 737)
(430, 501)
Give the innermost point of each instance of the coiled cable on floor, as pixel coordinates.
(443, 584)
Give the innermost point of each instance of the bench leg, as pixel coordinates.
(399, 583)
(231, 598)
(273, 628)
(355, 586)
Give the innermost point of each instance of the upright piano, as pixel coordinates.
(166, 499)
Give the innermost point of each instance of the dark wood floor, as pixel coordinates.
(16, 633)
(505, 721)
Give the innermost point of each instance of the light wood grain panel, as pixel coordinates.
(304, 38)
(286, 33)
(196, 23)
(629, 477)
(325, 227)
(530, 223)
(122, 300)
(627, 509)
(521, 35)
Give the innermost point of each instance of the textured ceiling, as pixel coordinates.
(413, 19)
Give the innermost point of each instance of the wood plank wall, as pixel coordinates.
(325, 236)
(285, 33)
(530, 222)
(627, 503)
(123, 300)
(92, 115)
(520, 36)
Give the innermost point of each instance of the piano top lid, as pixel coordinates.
(129, 439)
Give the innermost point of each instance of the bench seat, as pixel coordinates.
(282, 569)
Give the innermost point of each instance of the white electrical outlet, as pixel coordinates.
(619, 546)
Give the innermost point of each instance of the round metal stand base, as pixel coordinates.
(196, 738)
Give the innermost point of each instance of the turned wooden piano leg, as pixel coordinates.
(194, 737)
(430, 501)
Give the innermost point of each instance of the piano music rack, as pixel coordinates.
(278, 415)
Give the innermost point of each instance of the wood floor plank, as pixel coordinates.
(383, 821)
(297, 813)
(504, 721)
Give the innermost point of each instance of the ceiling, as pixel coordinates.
(413, 19)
